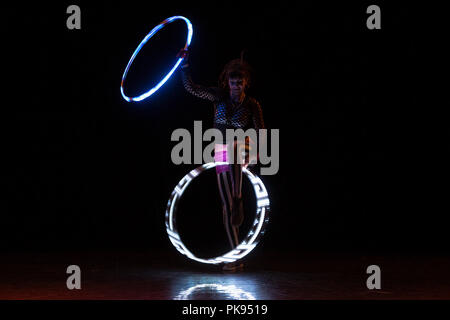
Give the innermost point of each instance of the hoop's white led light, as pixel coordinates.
(231, 290)
(253, 236)
(143, 42)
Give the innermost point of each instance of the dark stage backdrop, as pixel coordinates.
(85, 170)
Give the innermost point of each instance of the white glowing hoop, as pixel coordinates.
(253, 236)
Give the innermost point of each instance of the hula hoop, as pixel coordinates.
(253, 236)
(149, 35)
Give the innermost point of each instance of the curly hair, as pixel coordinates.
(236, 68)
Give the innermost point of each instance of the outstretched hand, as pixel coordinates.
(184, 54)
(247, 149)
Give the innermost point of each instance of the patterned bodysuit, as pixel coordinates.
(226, 116)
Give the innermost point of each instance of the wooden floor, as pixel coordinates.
(267, 276)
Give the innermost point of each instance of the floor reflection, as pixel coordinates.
(208, 290)
(216, 288)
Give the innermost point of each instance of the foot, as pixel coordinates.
(233, 267)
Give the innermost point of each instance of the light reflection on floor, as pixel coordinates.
(214, 291)
(217, 286)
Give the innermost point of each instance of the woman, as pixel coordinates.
(233, 109)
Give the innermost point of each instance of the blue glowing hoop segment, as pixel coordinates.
(253, 236)
(143, 42)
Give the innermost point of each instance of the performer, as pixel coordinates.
(233, 109)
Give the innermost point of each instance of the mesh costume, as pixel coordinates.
(226, 115)
(246, 115)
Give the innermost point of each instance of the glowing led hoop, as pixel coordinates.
(151, 33)
(253, 236)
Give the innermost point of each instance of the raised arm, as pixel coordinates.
(208, 93)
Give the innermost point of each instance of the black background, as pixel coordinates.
(83, 169)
